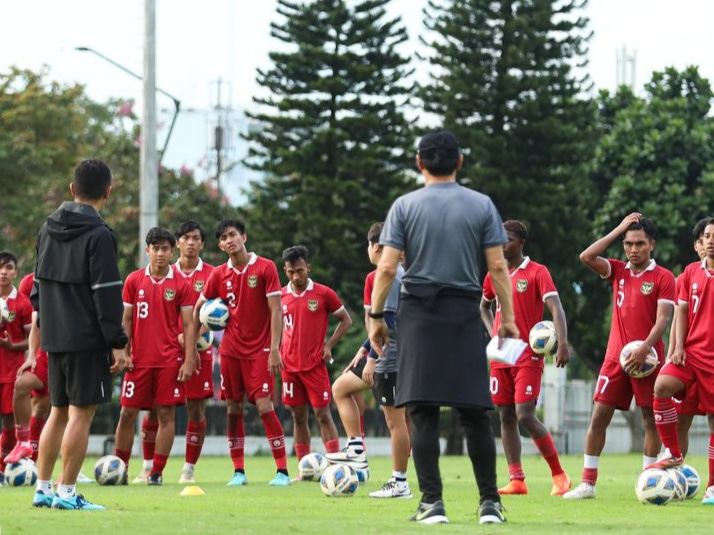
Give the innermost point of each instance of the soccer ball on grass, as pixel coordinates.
(110, 470)
(693, 481)
(23, 472)
(655, 486)
(339, 480)
(311, 466)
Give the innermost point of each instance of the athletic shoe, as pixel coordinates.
(665, 461)
(514, 487)
(430, 513)
(155, 479)
(491, 513)
(561, 484)
(81, 478)
(76, 503)
(708, 496)
(238, 480)
(42, 500)
(584, 491)
(143, 477)
(21, 449)
(349, 457)
(187, 476)
(392, 490)
(280, 480)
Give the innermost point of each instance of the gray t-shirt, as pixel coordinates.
(466, 221)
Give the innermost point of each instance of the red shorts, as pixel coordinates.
(696, 381)
(143, 388)
(249, 377)
(311, 386)
(615, 388)
(515, 384)
(7, 390)
(41, 373)
(200, 386)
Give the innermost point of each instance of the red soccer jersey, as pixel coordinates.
(305, 321)
(247, 335)
(531, 285)
(25, 286)
(635, 300)
(16, 327)
(368, 287)
(696, 284)
(197, 280)
(156, 311)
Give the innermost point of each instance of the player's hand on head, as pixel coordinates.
(634, 217)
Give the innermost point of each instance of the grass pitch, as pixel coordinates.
(302, 508)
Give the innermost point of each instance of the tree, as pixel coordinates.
(505, 80)
(332, 142)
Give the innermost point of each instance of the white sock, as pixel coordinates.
(399, 477)
(66, 492)
(356, 444)
(45, 487)
(188, 466)
(591, 461)
(148, 464)
(646, 461)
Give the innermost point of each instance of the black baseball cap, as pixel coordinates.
(439, 140)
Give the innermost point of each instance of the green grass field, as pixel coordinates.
(302, 508)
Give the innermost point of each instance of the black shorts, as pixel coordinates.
(357, 370)
(385, 387)
(80, 379)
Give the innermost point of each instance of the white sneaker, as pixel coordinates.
(81, 478)
(584, 491)
(392, 489)
(187, 475)
(708, 498)
(349, 457)
(143, 477)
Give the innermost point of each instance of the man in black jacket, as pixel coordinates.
(77, 295)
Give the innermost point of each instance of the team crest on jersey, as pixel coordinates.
(521, 285)
(646, 288)
(253, 281)
(312, 305)
(11, 316)
(169, 294)
(198, 286)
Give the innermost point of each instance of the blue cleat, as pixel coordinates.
(42, 500)
(238, 480)
(280, 480)
(75, 503)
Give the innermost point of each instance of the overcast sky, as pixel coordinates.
(198, 43)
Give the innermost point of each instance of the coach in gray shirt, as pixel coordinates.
(444, 230)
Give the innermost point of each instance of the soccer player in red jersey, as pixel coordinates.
(156, 303)
(306, 308)
(691, 361)
(13, 343)
(31, 400)
(687, 406)
(515, 389)
(190, 239)
(250, 348)
(643, 302)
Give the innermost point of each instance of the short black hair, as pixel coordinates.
(6, 257)
(517, 228)
(223, 225)
(190, 226)
(296, 252)
(439, 152)
(699, 227)
(157, 235)
(375, 231)
(92, 177)
(646, 224)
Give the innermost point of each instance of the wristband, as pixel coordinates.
(376, 315)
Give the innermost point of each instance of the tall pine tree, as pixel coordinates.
(505, 78)
(332, 141)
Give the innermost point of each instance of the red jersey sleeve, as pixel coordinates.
(368, 287)
(545, 284)
(667, 288)
(332, 301)
(272, 281)
(129, 291)
(210, 289)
